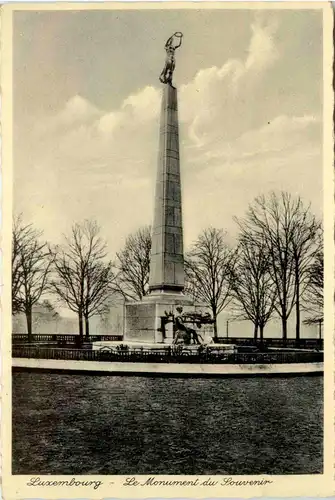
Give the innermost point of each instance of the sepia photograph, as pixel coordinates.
(167, 226)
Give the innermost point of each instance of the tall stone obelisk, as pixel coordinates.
(166, 281)
(167, 258)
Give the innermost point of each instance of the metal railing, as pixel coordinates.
(169, 355)
(61, 338)
(273, 342)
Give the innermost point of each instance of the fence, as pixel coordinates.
(273, 342)
(170, 355)
(60, 340)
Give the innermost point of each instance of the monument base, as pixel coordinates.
(143, 319)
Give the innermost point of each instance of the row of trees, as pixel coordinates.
(276, 266)
(286, 239)
(31, 269)
(77, 272)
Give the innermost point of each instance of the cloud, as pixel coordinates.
(76, 112)
(144, 105)
(262, 50)
(280, 136)
(221, 96)
(235, 143)
(124, 137)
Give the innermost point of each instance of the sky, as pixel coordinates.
(86, 115)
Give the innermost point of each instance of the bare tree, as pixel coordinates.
(31, 265)
(304, 244)
(98, 291)
(20, 234)
(133, 265)
(209, 271)
(313, 298)
(253, 287)
(289, 231)
(82, 276)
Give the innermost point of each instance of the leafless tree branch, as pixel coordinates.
(133, 265)
(209, 270)
(82, 278)
(31, 266)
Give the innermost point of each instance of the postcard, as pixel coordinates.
(168, 250)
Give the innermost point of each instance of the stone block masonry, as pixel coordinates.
(167, 260)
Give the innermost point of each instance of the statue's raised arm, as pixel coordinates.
(174, 40)
(173, 43)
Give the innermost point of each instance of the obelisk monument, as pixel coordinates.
(166, 282)
(167, 258)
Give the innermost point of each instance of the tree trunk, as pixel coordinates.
(215, 324)
(215, 327)
(87, 327)
(255, 331)
(284, 329)
(261, 332)
(28, 313)
(80, 319)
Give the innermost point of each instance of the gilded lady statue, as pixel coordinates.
(171, 45)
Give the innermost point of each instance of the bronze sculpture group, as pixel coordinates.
(182, 333)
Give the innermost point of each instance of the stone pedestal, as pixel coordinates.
(143, 319)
